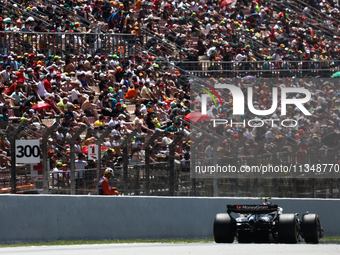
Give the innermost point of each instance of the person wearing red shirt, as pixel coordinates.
(47, 83)
(20, 74)
(31, 62)
(169, 24)
(2, 26)
(156, 4)
(132, 92)
(104, 186)
(11, 88)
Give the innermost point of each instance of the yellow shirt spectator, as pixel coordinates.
(138, 5)
(62, 106)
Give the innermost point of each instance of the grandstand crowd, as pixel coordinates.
(146, 91)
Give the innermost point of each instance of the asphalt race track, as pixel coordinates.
(178, 249)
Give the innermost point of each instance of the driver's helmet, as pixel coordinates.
(266, 203)
(108, 171)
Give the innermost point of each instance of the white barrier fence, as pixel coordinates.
(27, 218)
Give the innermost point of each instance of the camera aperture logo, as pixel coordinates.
(239, 105)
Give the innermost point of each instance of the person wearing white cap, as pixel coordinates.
(13, 63)
(104, 186)
(28, 27)
(31, 19)
(66, 84)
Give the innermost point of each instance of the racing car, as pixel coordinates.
(265, 223)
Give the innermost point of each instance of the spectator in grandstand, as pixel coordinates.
(92, 190)
(33, 120)
(109, 156)
(58, 176)
(113, 141)
(6, 74)
(149, 81)
(136, 157)
(80, 166)
(4, 115)
(18, 97)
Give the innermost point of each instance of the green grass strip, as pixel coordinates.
(330, 239)
(120, 241)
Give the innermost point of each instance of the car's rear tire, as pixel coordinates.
(310, 228)
(288, 228)
(224, 228)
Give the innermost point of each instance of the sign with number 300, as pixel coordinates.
(27, 151)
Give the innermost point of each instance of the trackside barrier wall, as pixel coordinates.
(45, 217)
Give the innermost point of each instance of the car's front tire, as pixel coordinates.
(311, 228)
(224, 228)
(288, 228)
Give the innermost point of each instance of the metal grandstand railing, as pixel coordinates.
(59, 10)
(168, 46)
(37, 13)
(75, 17)
(323, 30)
(266, 69)
(67, 43)
(257, 45)
(22, 9)
(176, 50)
(314, 12)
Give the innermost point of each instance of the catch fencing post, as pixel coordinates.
(234, 159)
(193, 160)
(215, 145)
(237, 146)
(274, 162)
(296, 149)
(12, 135)
(73, 158)
(147, 160)
(295, 156)
(171, 162)
(126, 159)
(44, 163)
(99, 141)
(257, 148)
(276, 150)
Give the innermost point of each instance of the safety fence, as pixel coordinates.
(311, 172)
(138, 170)
(265, 69)
(63, 44)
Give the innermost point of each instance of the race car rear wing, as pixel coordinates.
(251, 208)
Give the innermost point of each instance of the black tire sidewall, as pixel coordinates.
(310, 228)
(288, 228)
